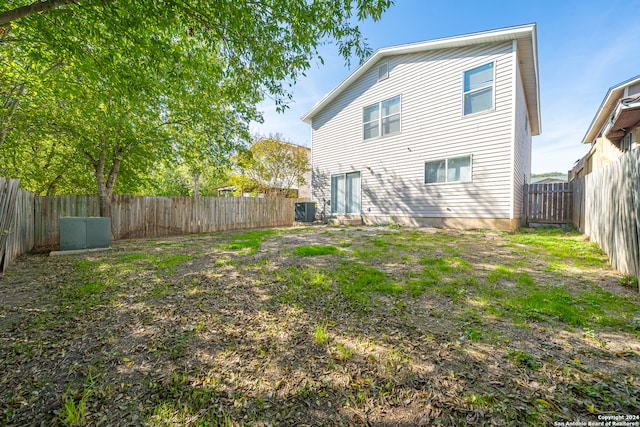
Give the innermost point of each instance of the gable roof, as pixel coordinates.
(610, 101)
(527, 54)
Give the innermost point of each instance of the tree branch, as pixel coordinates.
(36, 7)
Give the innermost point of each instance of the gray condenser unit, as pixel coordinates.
(84, 233)
(305, 211)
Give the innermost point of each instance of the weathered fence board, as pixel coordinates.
(139, 217)
(578, 208)
(16, 221)
(548, 203)
(21, 238)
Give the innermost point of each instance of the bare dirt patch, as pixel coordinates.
(394, 327)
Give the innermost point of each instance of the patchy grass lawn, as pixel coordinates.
(321, 326)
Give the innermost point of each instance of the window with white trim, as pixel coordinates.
(453, 169)
(479, 85)
(381, 118)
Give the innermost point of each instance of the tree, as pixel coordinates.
(134, 82)
(120, 121)
(273, 167)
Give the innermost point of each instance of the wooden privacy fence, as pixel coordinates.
(28, 221)
(548, 203)
(137, 216)
(607, 209)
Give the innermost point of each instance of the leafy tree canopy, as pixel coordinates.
(261, 43)
(109, 89)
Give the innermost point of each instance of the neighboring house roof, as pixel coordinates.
(610, 103)
(525, 35)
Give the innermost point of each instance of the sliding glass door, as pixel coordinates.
(346, 194)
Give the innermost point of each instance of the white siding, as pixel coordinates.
(433, 127)
(522, 154)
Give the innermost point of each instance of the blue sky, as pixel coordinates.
(584, 48)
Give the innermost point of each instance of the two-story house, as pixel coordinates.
(434, 133)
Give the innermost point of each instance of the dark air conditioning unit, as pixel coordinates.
(305, 211)
(77, 233)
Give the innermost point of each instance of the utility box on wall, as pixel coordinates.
(84, 233)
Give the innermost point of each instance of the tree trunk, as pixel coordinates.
(105, 187)
(103, 193)
(3, 133)
(196, 185)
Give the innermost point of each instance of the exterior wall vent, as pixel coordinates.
(383, 71)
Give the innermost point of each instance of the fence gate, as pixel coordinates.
(548, 203)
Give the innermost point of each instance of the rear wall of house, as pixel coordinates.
(392, 167)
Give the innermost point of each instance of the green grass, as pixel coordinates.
(133, 261)
(487, 401)
(629, 281)
(473, 334)
(524, 359)
(315, 250)
(127, 258)
(446, 264)
(369, 254)
(249, 241)
(555, 303)
(501, 272)
(343, 353)
(171, 261)
(357, 281)
(74, 411)
(594, 308)
(321, 334)
(561, 244)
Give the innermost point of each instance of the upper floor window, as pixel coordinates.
(479, 86)
(381, 118)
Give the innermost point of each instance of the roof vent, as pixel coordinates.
(633, 90)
